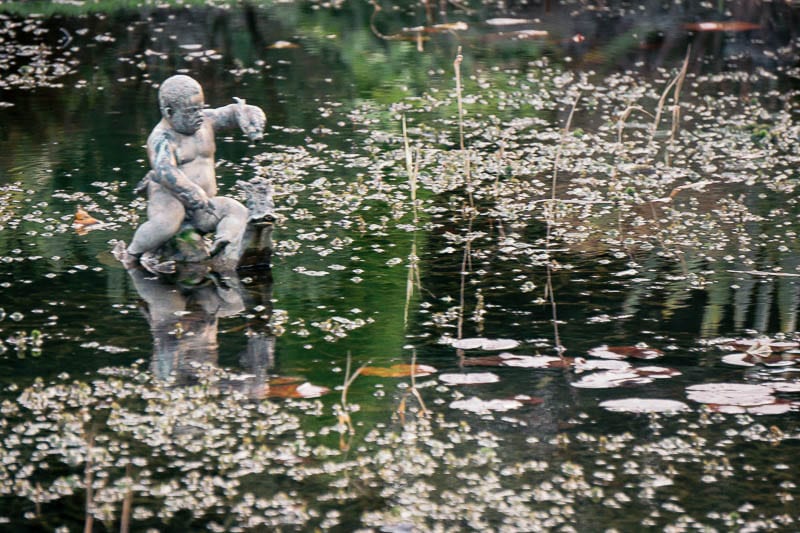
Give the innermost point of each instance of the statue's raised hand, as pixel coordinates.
(251, 119)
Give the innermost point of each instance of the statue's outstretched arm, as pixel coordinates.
(250, 119)
(167, 174)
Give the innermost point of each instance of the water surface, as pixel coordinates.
(665, 244)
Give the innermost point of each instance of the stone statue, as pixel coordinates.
(182, 187)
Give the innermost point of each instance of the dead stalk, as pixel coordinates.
(457, 68)
(413, 276)
(401, 408)
(88, 480)
(412, 168)
(676, 107)
(624, 117)
(561, 142)
(376, 9)
(127, 504)
(344, 416)
(661, 101)
(550, 219)
(38, 500)
(465, 262)
(554, 310)
(414, 390)
(660, 110)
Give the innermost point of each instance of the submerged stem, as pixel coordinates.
(550, 219)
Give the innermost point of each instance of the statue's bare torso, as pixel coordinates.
(193, 154)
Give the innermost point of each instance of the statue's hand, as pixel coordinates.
(251, 119)
(195, 201)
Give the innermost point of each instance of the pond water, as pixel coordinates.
(585, 236)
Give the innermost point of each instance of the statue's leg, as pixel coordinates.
(164, 217)
(228, 222)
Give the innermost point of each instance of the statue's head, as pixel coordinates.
(181, 101)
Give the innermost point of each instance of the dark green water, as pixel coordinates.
(723, 264)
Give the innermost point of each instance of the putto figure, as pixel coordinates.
(182, 185)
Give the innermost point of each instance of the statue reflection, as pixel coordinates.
(183, 312)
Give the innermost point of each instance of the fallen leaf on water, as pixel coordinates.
(83, 219)
(397, 371)
(469, 379)
(730, 25)
(622, 352)
(644, 405)
(294, 390)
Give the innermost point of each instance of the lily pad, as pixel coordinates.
(731, 394)
(507, 359)
(485, 344)
(611, 379)
(658, 372)
(583, 365)
(748, 359)
(476, 405)
(785, 386)
(762, 346)
(476, 378)
(739, 359)
(644, 405)
(625, 352)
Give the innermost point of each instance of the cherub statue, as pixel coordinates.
(182, 185)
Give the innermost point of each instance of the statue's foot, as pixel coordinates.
(218, 247)
(121, 254)
(152, 264)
